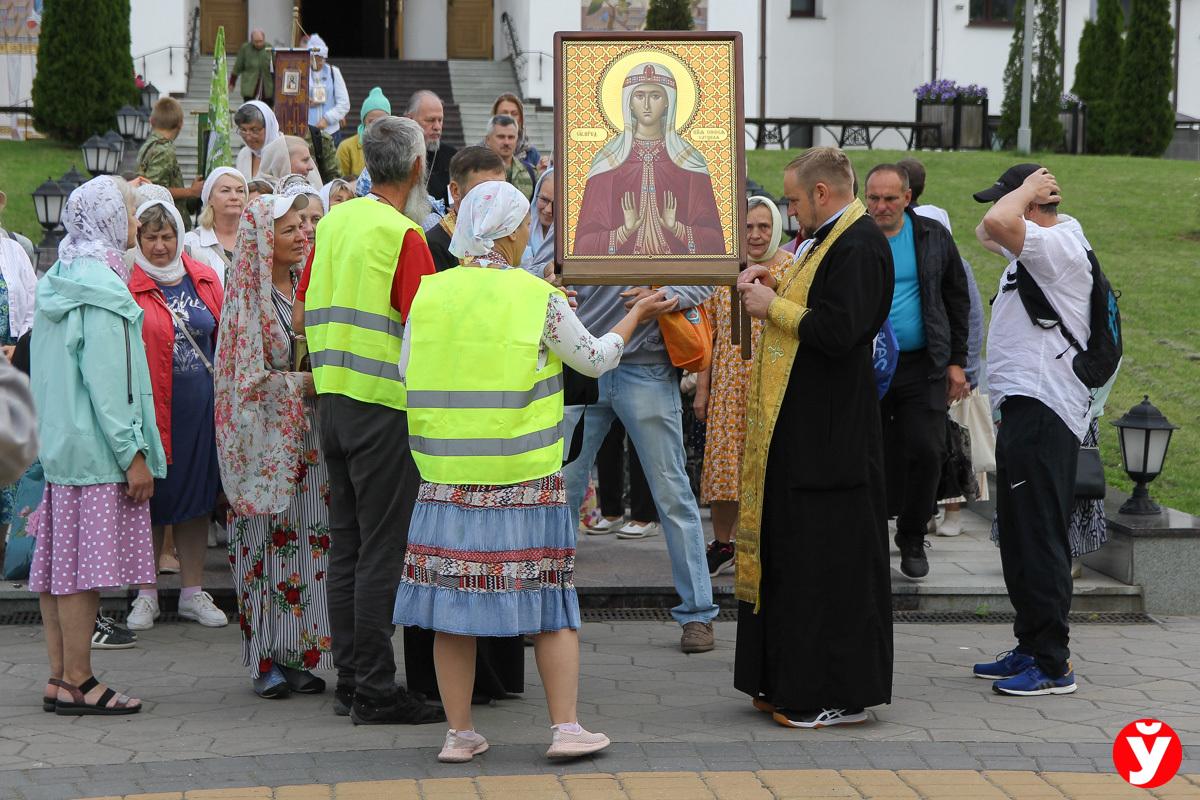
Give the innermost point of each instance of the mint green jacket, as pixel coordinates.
(90, 382)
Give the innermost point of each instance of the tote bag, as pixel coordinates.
(975, 414)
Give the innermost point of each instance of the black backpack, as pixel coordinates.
(1097, 362)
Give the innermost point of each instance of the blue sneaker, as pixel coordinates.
(1033, 682)
(1007, 665)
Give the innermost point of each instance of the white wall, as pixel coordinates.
(275, 19)
(425, 30)
(800, 62)
(1189, 59)
(155, 25)
(545, 18)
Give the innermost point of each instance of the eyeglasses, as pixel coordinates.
(545, 201)
(255, 131)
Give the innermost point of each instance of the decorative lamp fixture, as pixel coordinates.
(1145, 434)
(71, 179)
(114, 139)
(149, 95)
(48, 202)
(95, 156)
(127, 121)
(143, 131)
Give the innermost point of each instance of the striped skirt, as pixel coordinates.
(490, 560)
(279, 563)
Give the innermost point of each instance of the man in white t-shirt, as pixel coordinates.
(1044, 416)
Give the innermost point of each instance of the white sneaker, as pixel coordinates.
(951, 525)
(604, 526)
(936, 520)
(142, 614)
(574, 745)
(200, 607)
(632, 530)
(461, 747)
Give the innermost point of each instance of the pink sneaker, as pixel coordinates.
(461, 747)
(572, 741)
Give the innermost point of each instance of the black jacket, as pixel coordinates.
(945, 297)
(439, 172)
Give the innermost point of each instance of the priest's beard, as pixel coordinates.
(417, 206)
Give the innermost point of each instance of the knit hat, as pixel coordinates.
(375, 102)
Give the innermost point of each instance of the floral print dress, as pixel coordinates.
(725, 436)
(280, 561)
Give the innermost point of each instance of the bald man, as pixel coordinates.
(254, 66)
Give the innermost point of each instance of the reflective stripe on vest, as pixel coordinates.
(354, 334)
(480, 410)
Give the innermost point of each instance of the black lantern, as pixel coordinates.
(790, 229)
(143, 129)
(100, 157)
(114, 140)
(70, 179)
(1145, 434)
(149, 95)
(127, 121)
(48, 202)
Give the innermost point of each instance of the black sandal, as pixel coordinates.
(79, 707)
(302, 681)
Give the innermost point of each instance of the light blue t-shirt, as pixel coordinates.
(905, 316)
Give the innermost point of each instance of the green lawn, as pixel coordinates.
(1142, 216)
(24, 166)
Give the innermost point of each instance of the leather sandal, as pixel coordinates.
(302, 681)
(79, 707)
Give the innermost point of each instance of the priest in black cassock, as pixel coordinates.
(814, 637)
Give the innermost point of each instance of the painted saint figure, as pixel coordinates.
(648, 191)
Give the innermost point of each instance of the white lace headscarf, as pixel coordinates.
(97, 221)
(616, 152)
(490, 211)
(152, 191)
(173, 271)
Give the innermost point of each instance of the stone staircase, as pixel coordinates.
(477, 84)
(196, 102)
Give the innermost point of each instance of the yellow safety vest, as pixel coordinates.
(480, 410)
(354, 334)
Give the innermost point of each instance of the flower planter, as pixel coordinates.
(964, 122)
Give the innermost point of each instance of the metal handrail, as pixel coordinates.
(516, 53)
(169, 50)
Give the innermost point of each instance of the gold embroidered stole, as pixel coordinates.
(768, 383)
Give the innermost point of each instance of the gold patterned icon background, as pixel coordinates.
(592, 75)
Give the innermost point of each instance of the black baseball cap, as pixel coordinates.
(1012, 178)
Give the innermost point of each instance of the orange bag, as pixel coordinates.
(688, 336)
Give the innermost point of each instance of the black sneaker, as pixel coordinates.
(343, 700)
(820, 718)
(108, 635)
(721, 556)
(913, 562)
(401, 708)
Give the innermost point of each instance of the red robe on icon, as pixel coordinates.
(649, 173)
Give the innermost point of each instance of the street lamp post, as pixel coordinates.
(1145, 434)
(100, 156)
(48, 202)
(128, 121)
(149, 95)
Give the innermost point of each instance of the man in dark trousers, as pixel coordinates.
(931, 307)
(1044, 415)
(814, 635)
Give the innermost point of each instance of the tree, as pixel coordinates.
(1096, 73)
(84, 68)
(1046, 129)
(669, 15)
(1143, 122)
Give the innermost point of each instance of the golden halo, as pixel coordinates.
(614, 77)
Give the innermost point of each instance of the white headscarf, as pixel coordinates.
(152, 191)
(490, 211)
(174, 271)
(615, 153)
(276, 164)
(270, 124)
(328, 189)
(97, 224)
(211, 181)
(776, 225)
(317, 45)
(293, 184)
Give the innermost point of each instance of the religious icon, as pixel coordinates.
(291, 82)
(650, 157)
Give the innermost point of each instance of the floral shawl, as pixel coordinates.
(259, 406)
(768, 383)
(97, 223)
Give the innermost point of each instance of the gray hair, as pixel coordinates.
(419, 96)
(501, 121)
(392, 146)
(248, 115)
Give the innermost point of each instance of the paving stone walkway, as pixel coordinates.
(666, 712)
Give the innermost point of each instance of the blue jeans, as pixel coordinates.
(645, 397)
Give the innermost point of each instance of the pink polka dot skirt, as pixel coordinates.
(90, 537)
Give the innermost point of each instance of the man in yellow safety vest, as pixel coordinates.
(361, 281)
